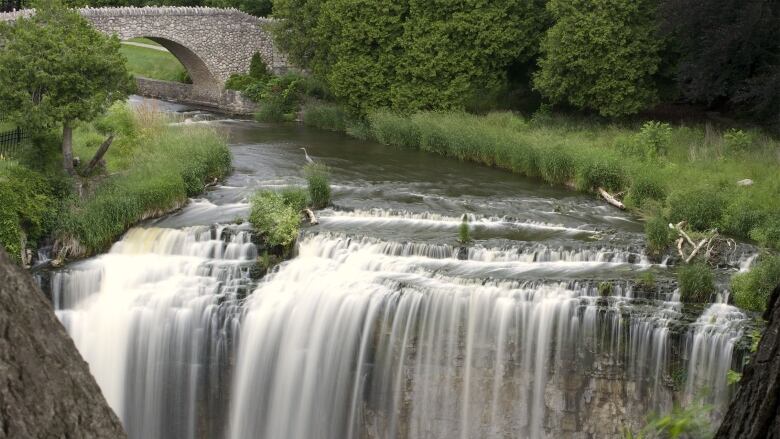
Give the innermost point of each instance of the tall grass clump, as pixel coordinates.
(393, 129)
(652, 141)
(274, 219)
(325, 116)
(751, 290)
(645, 186)
(701, 207)
(464, 234)
(318, 178)
(696, 282)
(556, 164)
(597, 169)
(658, 236)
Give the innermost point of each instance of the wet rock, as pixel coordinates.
(46, 390)
(755, 412)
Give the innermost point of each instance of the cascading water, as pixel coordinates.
(155, 319)
(382, 326)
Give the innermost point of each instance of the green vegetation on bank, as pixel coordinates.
(752, 290)
(151, 168)
(276, 216)
(154, 64)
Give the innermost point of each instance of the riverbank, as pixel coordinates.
(697, 174)
(151, 168)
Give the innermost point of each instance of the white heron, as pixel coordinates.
(308, 159)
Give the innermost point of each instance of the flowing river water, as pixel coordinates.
(383, 325)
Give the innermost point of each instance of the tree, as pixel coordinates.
(363, 49)
(452, 50)
(57, 70)
(729, 52)
(600, 55)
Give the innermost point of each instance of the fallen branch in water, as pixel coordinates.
(611, 199)
(311, 216)
(711, 242)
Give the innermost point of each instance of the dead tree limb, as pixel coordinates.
(611, 199)
(311, 216)
(99, 155)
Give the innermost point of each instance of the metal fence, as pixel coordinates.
(11, 141)
(11, 5)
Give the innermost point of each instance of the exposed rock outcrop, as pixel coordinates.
(46, 390)
(755, 412)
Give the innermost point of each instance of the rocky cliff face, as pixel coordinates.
(755, 412)
(46, 390)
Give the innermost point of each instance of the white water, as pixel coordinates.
(148, 319)
(361, 337)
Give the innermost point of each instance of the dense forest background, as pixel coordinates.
(674, 58)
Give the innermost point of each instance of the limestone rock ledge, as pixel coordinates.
(46, 389)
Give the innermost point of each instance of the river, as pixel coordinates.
(383, 325)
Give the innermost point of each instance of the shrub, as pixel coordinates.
(702, 208)
(696, 282)
(652, 141)
(238, 82)
(318, 178)
(751, 290)
(556, 165)
(277, 221)
(393, 129)
(658, 236)
(279, 98)
(605, 289)
(325, 116)
(258, 70)
(295, 197)
(26, 206)
(645, 186)
(737, 141)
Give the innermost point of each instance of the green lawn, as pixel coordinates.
(155, 64)
(6, 126)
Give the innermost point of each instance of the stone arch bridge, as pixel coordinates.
(211, 43)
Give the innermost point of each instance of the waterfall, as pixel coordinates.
(361, 338)
(155, 318)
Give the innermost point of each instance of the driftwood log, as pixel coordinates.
(611, 199)
(755, 411)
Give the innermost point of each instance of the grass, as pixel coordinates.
(686, 173)
(6, 126)
(154, 64)
(752, 289)
(318, 178)
(151, 168)
(696, 282)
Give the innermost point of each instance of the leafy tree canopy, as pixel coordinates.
(729, 51)
(56, 69)
(600, 55)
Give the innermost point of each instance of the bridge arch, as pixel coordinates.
(196, 67)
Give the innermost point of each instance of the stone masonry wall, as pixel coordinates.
(228, 101)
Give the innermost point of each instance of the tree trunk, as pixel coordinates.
(67, 148)
(755, 412)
